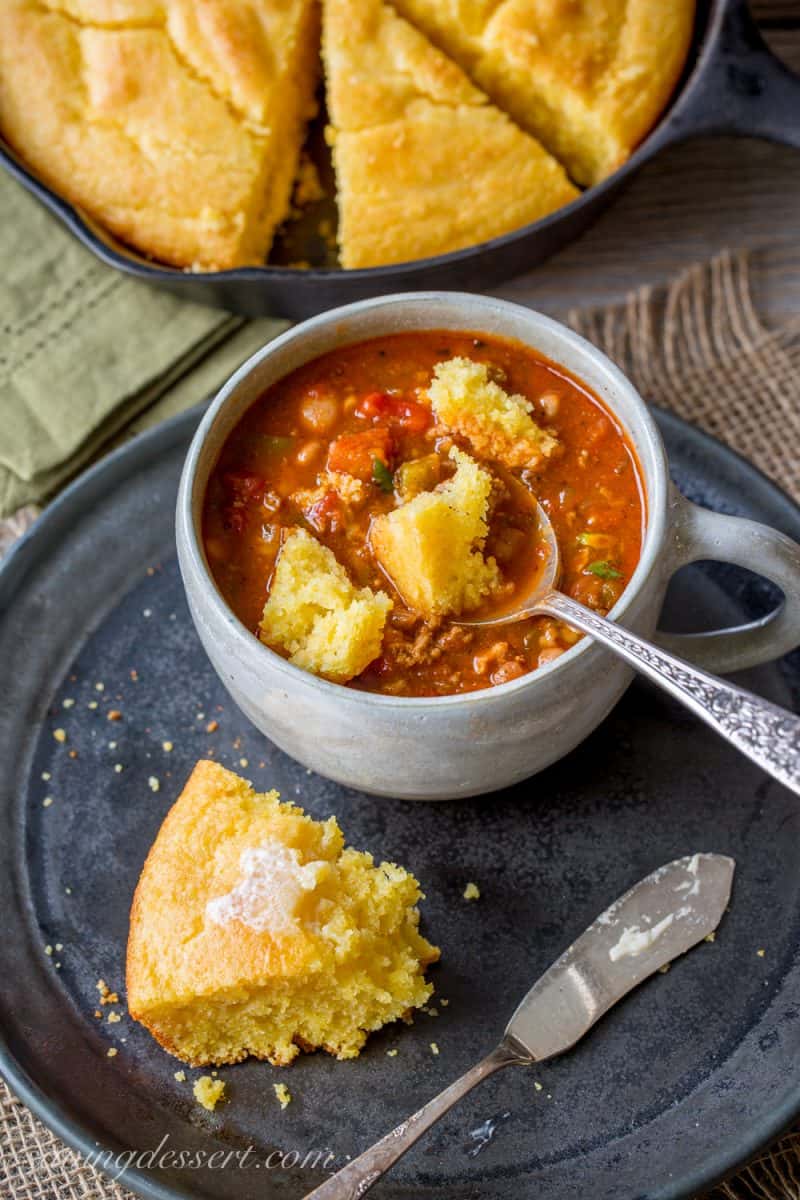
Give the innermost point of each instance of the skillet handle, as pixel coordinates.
(743, 88)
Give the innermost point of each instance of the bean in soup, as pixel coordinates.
(352, 436)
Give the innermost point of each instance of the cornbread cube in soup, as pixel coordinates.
(317, 616)
(431, 547)
(498, 425)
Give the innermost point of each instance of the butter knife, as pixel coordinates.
(663, 916)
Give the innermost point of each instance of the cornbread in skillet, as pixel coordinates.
(255, 932)
(313, 612)
(431, 547)
(176, 124)
(589, 78)
(424, 163)
(498, 426)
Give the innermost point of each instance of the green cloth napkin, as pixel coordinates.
(86, 352)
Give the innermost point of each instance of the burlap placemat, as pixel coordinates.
(698, 347)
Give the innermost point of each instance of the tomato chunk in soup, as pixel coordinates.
(350, 435)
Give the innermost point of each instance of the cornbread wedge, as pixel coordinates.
(424, 163)
(431, 547)
(317, 616)
(255, 932)
(498, 426)
(174, 123)
(588, 79)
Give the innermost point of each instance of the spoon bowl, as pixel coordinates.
(545, 581)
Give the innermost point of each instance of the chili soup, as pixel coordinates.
(410, 448)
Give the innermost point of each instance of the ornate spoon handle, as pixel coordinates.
(359, 1175)
(765, 732)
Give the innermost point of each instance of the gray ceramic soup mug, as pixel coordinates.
(449, 746)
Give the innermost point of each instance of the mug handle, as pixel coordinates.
(699, 533)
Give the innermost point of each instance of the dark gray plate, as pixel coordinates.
(674, 1088)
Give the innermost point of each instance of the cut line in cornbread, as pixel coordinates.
(588, 79)
(466, 400)
(255, 932)
(314, 613)
(177, 124)
(424, 163)
(431, 547)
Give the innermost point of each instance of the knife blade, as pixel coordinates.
(660, 918)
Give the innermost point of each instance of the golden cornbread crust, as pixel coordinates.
(176, 124)
(424, 163)
(351, 961)
(588, 79)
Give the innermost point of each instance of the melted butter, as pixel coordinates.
(635, 940)
(273, 881)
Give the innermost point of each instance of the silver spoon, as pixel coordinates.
(661, 917)
(764, 732)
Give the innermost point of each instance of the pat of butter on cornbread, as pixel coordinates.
(431, 547)
(254, 931)
(314, 612)
(498, 425)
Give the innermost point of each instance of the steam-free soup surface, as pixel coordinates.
(271, 477)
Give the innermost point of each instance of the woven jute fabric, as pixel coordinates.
(697, 347)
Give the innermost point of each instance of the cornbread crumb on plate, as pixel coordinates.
(208, 1091)
(269, 935)
(313, 612)
(498, 426)
(424, 163)
(431, 546)
(106, 995)
(472, 891)
(283, 1094)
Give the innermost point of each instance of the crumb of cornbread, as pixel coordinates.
(431, 547)
(314, 612)
(472, 891)
(180, 1076)
(498, 425)
(218, 971)
(208, 1091)
(283, 1094)
(106, 995)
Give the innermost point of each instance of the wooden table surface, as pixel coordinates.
(688, 203)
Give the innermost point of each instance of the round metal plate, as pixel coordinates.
(674, 1088)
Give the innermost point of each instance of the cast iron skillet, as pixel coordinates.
(732, 84)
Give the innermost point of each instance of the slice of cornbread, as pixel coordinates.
(176, 124)
(431, 547)
(324, 623)
(466, 400)
(588, 79)
(424, 163)
(255, 932)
